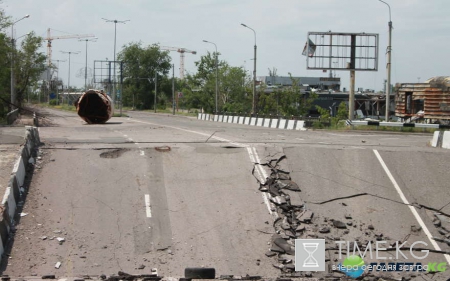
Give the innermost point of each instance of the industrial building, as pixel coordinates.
(429, 100)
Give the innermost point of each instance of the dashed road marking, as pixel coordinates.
(148, 210)
(253, 155)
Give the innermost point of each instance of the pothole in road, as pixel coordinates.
(164, 148)
(114, 153)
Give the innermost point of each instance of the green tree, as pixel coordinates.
(140, 66)
(233, 93)
(290, 100)
(29, 65)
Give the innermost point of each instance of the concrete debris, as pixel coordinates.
(23, 214)
(141, 266)
(58, 265)
(270, 254)
(60, 239)
(278, 200)
(324, 229)
(371, 227)
(348, 216)
(415, 228)
(44, 237)
(306, 216)
(339, 224)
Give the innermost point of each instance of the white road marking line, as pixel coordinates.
(299, 139)
(147, 206)
(413, 210)
(266, 196)
(253, 155)
(356, 147)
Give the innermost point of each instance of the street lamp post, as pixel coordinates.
(85, 67)
(388, 66)
(217, 73)
(68, 79)
(254, 70)
(13, 78)
(115, 36)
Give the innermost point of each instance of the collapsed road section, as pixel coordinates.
(295, 220)
(94, 107)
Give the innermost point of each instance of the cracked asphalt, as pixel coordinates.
(204, 206)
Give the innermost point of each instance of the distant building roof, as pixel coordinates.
(439, 80)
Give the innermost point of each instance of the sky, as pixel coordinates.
(419, 39)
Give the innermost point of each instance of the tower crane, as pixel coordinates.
(181, 51)
(50, 39)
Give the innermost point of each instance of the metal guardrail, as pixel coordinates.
(396, 124)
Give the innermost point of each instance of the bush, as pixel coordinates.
(53, 102)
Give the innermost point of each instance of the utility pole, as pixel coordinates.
(388, 66)
(156, 85)
(173, 89)
(254, 71)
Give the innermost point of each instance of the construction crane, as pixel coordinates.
(181, 51)
(50, 39)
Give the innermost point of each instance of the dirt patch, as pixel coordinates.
(113, 153)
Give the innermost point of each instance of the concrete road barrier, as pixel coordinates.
(15, 189)
(274, 123)
(441, 139)
(282, 124)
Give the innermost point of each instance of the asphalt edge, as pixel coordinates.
(14, 190)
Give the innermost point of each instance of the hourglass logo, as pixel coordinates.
(309, 254)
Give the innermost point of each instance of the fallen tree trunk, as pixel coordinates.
(94, 107)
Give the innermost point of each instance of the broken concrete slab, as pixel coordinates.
(339, 224)
(283, 244)
(288, 184)
(324, 229)
(270, 254)
(294, 198)
(278, 200)
(306, 216)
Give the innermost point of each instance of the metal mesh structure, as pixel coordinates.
(108, 72)
(342, 51)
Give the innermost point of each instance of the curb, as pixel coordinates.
(14, 191)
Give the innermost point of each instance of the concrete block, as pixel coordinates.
(230, 119)
(207, 117)
(199, 116)
(282, 124)
(241, 119)
(235, 119)
(291, 125)
(300, 125)
(221, 118)
(434, 141)
(266, 122)
(247, 120)
(274, 123)
(19, 171)
(216, 118)
(446, 140)
(253, 121)
(259, 121)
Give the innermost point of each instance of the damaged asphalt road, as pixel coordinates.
(166, 192)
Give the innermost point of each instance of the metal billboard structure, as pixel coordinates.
(109, 74)
(342, 51)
